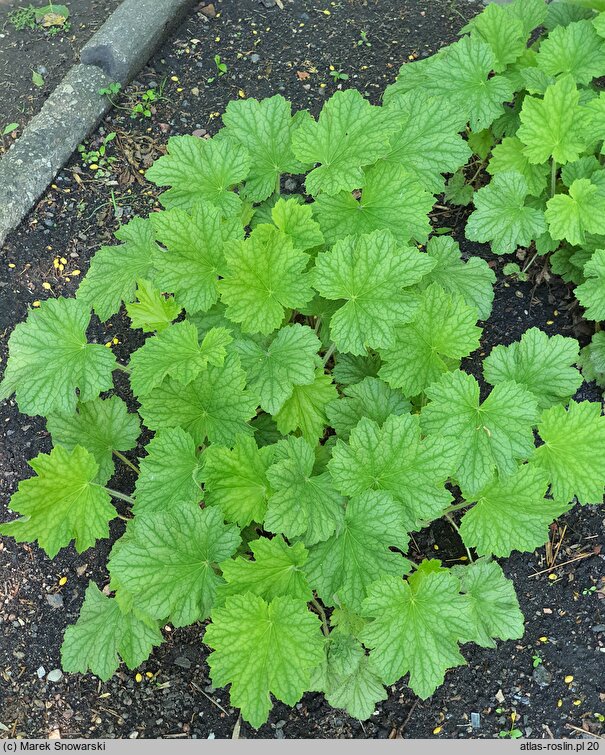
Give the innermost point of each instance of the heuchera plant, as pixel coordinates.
(300, 382)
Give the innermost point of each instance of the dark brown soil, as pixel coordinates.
(47, 53)
(565, 616)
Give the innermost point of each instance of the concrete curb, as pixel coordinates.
(116, 52)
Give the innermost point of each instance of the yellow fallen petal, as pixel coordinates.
(46, 286)
(138, 677)
(437, 729)
(62, 581)
(568, 679)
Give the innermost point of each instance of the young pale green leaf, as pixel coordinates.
(349, 134)
(462, 74)
(427, 142)
(503, 32)
(275, 367)
(494, 606)
(591, 294)
(50, 360)
(168, 474)
(509, 156)
(301, 504)
(371, 398)
(101, 426)
(472, 280)
(104, 634)
(491, 436)
(201, 170)
(502, 217)
(215, 405)
(114, 270)
(167, 562)
(575, 49)
(553, 127)
(305, 410)
(441, 332)
(416, 627)
(296, 221)
(261, 649)
(457, 191)
(571, 216)
(236, 480)
(542, 364)
(510, 514)
(265, 129)
(264, 276)
(532, 13)
(369, 272)
(151, 311)
(277, 569)
(342, 568)
(347, 677)
(394, 459)
(573, 452)
(194, 256)
(176, 353)
(61, 503)
(392, 199)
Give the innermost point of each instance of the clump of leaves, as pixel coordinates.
(300, 377)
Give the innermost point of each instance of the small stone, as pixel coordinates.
(541, 676)
(41, 672)
(475, 720)
(182, 662)
(598, 628)
(55, 601)
(290, 184)
(200, 132)
(133, 735)
(195, 91)
(55, 675)
(254, 58)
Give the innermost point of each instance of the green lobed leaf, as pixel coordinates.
(542, 364)
(101, 426)
(491, 435)
(305, 410)
(296, 221)
(168, 474)
(441, 332)
(393, 458)
(508, 156)
(114, 270)
(301, 504)
(369, 272)
(167, 562)
(502, 217)
(370, 397)
(194, 256)
(201, 170)
(104, 634)
(494, 606)
(265, 129)
(591, 293)
(342, 568)
(417, 624)
(510, 514)
(503, 32)
(151, 311)
(215, 405)
(263, 648)
(63, 502)
(553, 127)
(573, 451)
(264, 276)
(349, 134)
(277, 569)
(392, 199)
(571, 216)
(276, 365)
(50, 360)
(575, 49)
(472, 280)
(236, 480)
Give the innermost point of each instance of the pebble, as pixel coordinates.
(182, 662)
(541, 676)
(290, 184)
(254, 58)
(41, 672)
(55, 601)
(598, 628)
(55, 675)
(475, 720)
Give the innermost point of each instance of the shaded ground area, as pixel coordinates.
(268, 51)
(27, 53)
